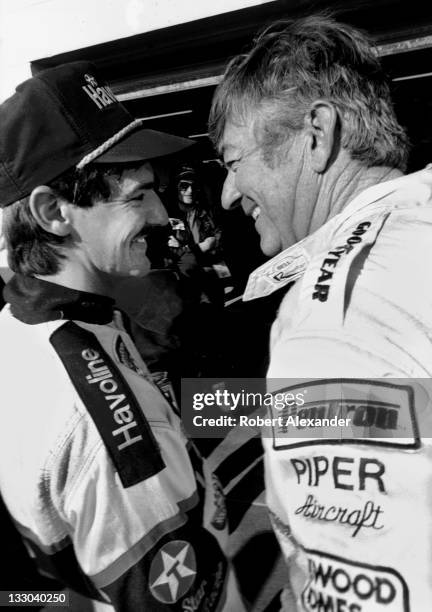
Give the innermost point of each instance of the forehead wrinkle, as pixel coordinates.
(244, 145)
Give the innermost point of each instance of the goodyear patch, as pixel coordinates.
(332, 259)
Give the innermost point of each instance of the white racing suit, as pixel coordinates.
(351, 504)
(95, 470)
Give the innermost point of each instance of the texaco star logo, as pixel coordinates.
(172, 571)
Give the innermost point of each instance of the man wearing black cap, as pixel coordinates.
(94, 467)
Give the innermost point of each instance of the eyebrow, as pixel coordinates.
(221, 149)
(230, 149)
(150, 184)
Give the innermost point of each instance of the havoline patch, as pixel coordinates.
(110, 402)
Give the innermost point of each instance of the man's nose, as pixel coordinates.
(158, 214)
(230, 194)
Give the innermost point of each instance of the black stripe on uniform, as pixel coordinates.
(239, 460)
(110, 402)
(240, 497)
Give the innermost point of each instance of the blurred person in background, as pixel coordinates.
(196, 240)
(200, 225)
(315, 156)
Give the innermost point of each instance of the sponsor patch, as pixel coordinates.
(173, 571)
(365, 516)
(285, 268)
(347, 411)
(163, 383)
(328, 283)
(123, 355)
(110, 402)
(101, 96)
(340, 584)
(328, 266)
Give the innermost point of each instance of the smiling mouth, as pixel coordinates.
(142, 235)
(256, 213)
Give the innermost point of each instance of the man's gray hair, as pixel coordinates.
(292, 64)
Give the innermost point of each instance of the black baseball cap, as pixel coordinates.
(186, 172)
(64, 117)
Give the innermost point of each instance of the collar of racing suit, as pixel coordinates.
(34, 301)
(290, 264)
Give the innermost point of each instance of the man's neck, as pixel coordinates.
(185, 208)
(343, 182)
(75, 277)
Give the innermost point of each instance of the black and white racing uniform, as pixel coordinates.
(351, 501)
(95, 470)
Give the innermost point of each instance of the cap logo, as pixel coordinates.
(102, 96)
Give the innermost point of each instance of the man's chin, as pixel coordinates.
(138, 272)
(270, 249)
(133, 271)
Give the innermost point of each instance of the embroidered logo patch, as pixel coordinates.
(100, 95)
(341, 584)
(347, 411)
(110, 403)
(172, 571)
(124, 356)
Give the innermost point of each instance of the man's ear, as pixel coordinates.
(48, 210)
(322, 122)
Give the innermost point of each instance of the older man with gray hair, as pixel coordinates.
(315, 155)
